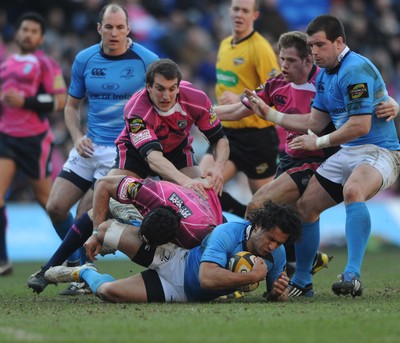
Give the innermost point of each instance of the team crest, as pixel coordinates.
(182, 123)
(358, 91)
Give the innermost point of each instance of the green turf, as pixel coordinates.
(48, 317)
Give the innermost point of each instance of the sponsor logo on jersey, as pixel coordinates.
(99, 72)
(141, 136)
(358, 91)
(183, 210)
(213, 116)
(227, 78)
(239, 61)
(280, 99)
(136, 125)
(321, 86)
(110, 86)
(262, 168)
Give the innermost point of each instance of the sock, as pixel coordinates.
(358, 230)
(75, 238)
(62, 230)
(305, 249)
(3, 227)
(290, 253)
(230, 204)
(94, 279)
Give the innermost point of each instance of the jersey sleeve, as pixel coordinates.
(52, 79)
(77, 88)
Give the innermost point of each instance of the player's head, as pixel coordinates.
(162, 83)
(113, 27)
(327, 39)
(329, 24)
(243, 14)
(295, 57)
(271, 226)
(30, 29)
(160, 226)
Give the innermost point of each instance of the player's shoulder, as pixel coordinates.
(88, 52)
(144, 52)
(45, 59)
(188, 92)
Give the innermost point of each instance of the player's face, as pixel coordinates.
(243, 15)
(263, 242)
(294, 69)
(324, 51)
(163, 92)
(114, 31)
(29, 36)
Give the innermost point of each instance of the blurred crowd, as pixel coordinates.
(189, 32)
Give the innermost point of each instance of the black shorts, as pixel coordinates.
(253, 151)
(31, 154)
(129, 158)
(300, 170)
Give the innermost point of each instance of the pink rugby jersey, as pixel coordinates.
(30, 75)
(288, 97)
(148, 128)
(198, 216)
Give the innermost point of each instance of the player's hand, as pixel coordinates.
(387, 109)
(215, 179)
(280, 285)
(259, 268)
(198, 186)
(93, 247)
(304, 142)
(13, 98)
(84, 147)
(257, 104)
(228, 98)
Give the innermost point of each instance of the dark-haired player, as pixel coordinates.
(176, 274)
(31, 87)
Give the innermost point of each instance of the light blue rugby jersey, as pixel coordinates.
(354, 88)
(108, 82)
(218, 247)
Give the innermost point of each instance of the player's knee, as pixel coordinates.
(108, 292)
(56, 212)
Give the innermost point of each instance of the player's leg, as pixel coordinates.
(313, 202)
(8, 169)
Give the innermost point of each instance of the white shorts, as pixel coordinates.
(169, 263)
(94, 167)
(339, 166)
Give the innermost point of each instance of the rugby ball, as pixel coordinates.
(243, 262)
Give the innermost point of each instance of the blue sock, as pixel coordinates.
(75, 238)
(3, 227)
(358, 230)
(62, 230)
(305, 249)
(94, 279)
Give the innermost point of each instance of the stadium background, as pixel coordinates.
(189, 32)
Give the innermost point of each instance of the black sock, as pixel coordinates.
(3, 227)
(75, 238)
(230, 204)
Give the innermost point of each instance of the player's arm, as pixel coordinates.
(315, 121)
(214, 277)
(387, 109)
(105, 188)
(220, 151)
(72, 116)
(234, 111)
(163, 167)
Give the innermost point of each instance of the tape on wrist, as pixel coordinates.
(323, 142)
(275, 116)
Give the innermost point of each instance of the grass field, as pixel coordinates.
(48, 317)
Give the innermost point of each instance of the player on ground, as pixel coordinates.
(175, 274)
